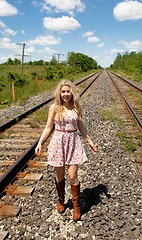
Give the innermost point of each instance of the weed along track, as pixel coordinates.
(32, 203)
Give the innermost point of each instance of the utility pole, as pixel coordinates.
(59, 54)
(23, 55)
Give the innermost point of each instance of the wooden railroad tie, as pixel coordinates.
(29, 176)
(16, 190)
(3, 235)
(30, 163)
(11, 153)
(9, 211)
(139, 160)
(37, 164)
(140, 168)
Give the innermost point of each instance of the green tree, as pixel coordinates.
(16, 61)
(39, 62)
(9, 61)
(53, 61)
(81, 61)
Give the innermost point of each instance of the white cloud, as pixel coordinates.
(23, 32)
(6, 31)
(9, 31)
(7, 44)
(7, 9)
(3, 59)
(96, 57)
(93, 39)
(128, 10)
(61, 24)
(44, 40)
(115, 50)
(87, 34)
(30, 49)
(46, 50)
(100, 45)
(64, 6)
(2, 25)
(132, 46)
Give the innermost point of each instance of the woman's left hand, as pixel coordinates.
(93, 148)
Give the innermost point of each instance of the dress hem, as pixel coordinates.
(67, 164)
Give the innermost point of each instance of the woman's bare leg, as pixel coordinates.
(72, 173)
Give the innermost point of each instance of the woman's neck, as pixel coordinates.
(68, 106)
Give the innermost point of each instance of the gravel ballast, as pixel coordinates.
(110, 187)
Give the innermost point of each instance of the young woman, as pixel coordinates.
(65, 146)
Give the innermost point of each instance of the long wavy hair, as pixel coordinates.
(58, 110)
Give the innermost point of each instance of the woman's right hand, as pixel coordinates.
(38, 149)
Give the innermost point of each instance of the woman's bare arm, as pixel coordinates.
(86, 136)
(47, 130)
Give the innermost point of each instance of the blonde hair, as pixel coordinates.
(58, 110)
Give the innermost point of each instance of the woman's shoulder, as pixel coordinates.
(52, 107)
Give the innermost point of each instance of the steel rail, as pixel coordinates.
(127, 81)
(23, 115)
(11, 173)
(128, 104)
(18, 118)
(85, 78)
(90, 84)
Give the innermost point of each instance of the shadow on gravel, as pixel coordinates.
(90, 197)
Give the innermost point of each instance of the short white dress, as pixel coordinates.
(65, 147)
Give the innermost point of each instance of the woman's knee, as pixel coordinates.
(73, 179)
(72, 173)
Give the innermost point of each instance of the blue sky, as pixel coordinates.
(97, 28)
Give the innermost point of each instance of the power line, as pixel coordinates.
(23, 55)
(59, 54)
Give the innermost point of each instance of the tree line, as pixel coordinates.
(131, 62)
(75, 63)
(77, 60)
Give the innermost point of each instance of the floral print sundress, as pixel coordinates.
(65, 147)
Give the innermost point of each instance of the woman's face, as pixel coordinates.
(66, 95)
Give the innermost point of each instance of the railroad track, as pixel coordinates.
(17, 135)
(132, 99)
(15, 180)
(132, 113)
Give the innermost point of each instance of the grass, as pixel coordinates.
(41, 115)
(128, 143)
(2, 136)
(113, 100)
(89, 95)
(83, 85)
(25, 92)
(109, 115)
(10, 132)
(31, 124)
(32, 87)
(138, 137)
(133, 75)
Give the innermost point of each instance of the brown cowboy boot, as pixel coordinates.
(61, 193)
(75, 190)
